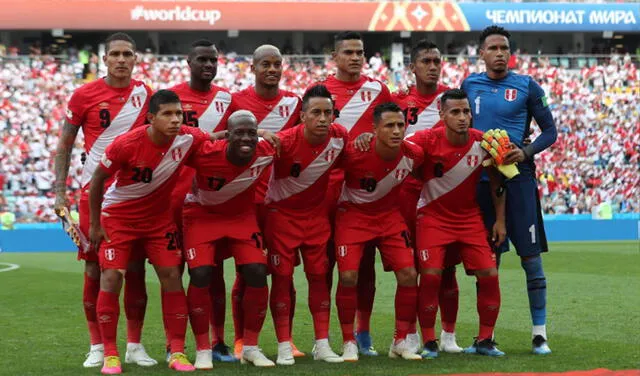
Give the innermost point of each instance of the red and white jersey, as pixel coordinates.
(274, 115)
(222, 187)
(207, 111)
(146, 173)
(451, 174)
(104, 113)
(355, 101)
(371, 183)
(420, 111)
(301, 174)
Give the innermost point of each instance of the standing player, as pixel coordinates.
(146, 163)
(369, 213)
(297, 222)
(220, 215)
(207, 107)
(105, 109)
(276, 110)
(355, 97)
(449, 215)
(503, 99)
(421, 106)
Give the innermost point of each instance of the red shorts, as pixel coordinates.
(438, 246)
(159, 243)
(289, 234)
(388, 231)
(210, 238)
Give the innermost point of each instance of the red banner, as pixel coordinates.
(242, 15)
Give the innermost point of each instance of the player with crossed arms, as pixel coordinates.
(275, 110)
(146, 163)
(297, 220)
(207, 107)
(104, 109)
(369, 214)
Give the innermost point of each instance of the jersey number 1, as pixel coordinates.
(477, 102)
(532, 230)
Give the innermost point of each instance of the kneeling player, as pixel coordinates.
(369, 214)
(297, 220)
(147, 161)
(448, 215)
(220, 215)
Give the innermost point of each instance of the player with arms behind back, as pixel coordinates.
(105, 109)
(369, 214)
(355, 97)
(506, 100)
(207, 107)
(448, 214)
(146, 163)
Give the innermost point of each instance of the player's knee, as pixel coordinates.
(92, 269)
(349, 278)
(170, 278)
(255, 275)
(111, 280)
(431, 271)
(407, 277)
(200, 276)
(490, 272)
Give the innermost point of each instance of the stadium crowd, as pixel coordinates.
(597, 110)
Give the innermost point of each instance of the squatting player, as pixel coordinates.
(297, 222)
(146, 163)
(369, 214)
(448, 214)
(503, 99)
(105, 109)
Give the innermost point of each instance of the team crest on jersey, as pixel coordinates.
(219, 107)
(401, 174)
(136, 100)
(472, 160)
(275, 260)
(284, 111)
(176, 154)
(510, 95)
(103, 105)
(331, 155)
(424, 254)
(342, 250)
(191, 254)
(110, 254)
(366, 96)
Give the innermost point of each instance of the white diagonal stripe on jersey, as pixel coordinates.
(356, 107)
(383, 187)
(211, 117)
(161, 173)
(120, 124)
(275, 121)
(427, 118)
(280, 189)
(437, 187)
(233, 188)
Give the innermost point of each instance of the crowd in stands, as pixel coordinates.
(595, 160)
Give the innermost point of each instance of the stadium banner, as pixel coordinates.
(409, 15)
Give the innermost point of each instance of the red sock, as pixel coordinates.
(428, 305)
(280, 304)
(237, 292)
(347, 302)
(406, 306)
(319, 304)
(366, 288)
(199, 303)
(218, 293)
(135, 304)
(488, 305)
(448, 300)
(176, 312)
(108, 310)
(89, 301)
(292, 308)
(254, 304)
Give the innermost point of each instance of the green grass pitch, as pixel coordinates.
(594, 319)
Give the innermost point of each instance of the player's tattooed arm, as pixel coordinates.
(96, 194)
(499, 231)
(61, 166)
(363, 142)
